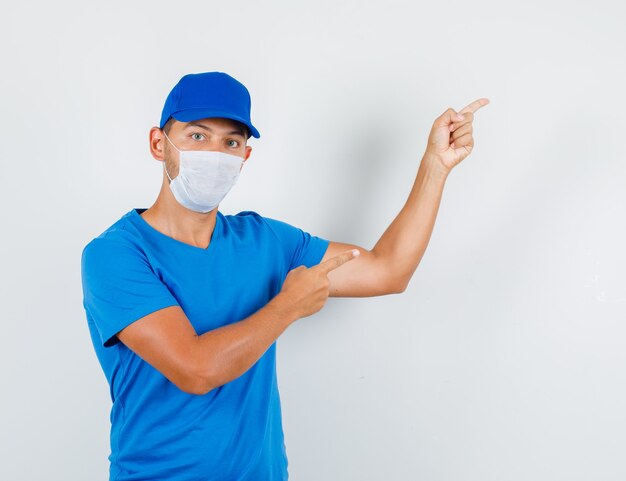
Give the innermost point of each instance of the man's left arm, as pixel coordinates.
(388, 267)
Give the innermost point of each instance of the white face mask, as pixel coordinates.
(204, 177)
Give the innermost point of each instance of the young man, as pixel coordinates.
(184, 304)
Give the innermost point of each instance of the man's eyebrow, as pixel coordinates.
(197, 124)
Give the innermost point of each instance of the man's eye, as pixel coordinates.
(196, 136)
(235, 143)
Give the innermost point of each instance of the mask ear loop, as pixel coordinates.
(164, 167)
(168, 139)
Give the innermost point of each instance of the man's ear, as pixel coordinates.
(248, 152)
(157, 140)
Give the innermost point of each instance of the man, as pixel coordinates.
(184, 304)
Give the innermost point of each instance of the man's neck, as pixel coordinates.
(172, 219)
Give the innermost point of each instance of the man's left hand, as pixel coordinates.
(450, 139)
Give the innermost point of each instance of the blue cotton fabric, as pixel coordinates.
(159, 432)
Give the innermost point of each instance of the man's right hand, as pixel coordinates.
(305, 290)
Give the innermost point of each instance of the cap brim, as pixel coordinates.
(198, 114)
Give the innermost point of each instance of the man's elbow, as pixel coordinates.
(196, 379)
(196, 384)
(401, 289)
(398, 286)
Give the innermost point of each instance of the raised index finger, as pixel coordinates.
(475, 105)
(337, 261)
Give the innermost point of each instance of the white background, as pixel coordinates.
(503, 360)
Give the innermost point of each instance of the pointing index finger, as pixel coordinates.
(337, 261)
(475, 105)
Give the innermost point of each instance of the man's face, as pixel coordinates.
(217, 134)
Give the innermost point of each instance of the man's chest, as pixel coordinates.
(225, 287)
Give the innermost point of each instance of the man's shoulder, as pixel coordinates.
(245, 214)
(251, 223)
(248, 218)
(120, 234)
(252, 216)
(257, 220)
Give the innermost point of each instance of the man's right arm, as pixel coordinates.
(197, 364)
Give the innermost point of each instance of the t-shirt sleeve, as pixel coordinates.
(300, 247)
(119, 287)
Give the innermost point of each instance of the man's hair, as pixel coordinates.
(168, 126)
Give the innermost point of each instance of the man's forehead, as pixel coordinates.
(215, 123)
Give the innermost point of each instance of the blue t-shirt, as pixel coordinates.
(159, 432)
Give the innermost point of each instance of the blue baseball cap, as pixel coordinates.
(207, 95)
